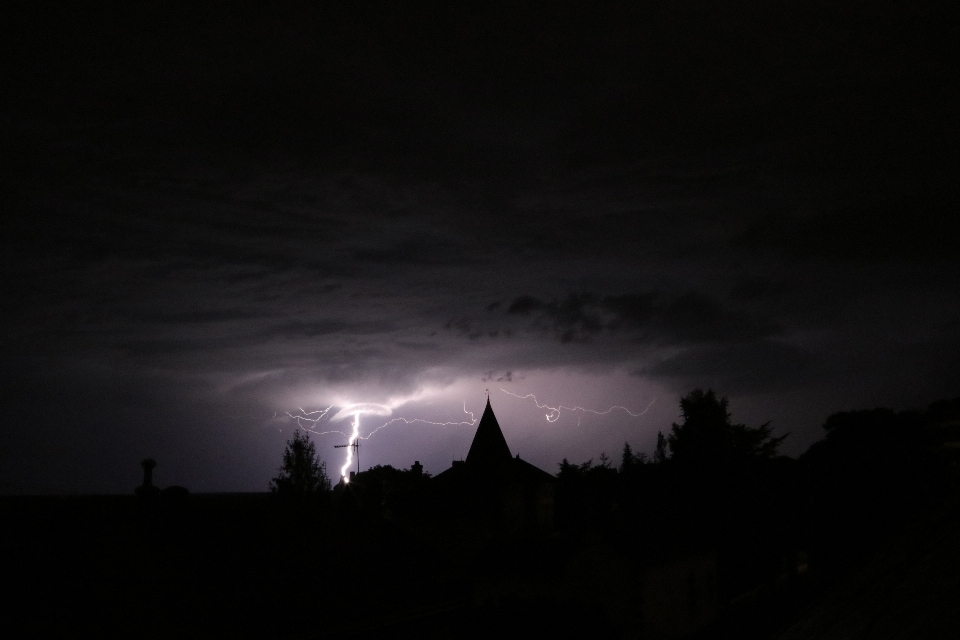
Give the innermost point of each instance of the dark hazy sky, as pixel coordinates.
(215, 216)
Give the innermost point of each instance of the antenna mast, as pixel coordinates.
(356, 450)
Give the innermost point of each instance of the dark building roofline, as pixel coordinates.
(489, 447)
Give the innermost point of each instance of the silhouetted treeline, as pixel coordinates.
(721, 486)
(717, 487)
(670, 544)
(875, 469)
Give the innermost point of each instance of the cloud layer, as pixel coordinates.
(214, 216)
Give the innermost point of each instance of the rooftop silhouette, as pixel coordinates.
(489, 447)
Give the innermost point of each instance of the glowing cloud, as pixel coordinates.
(361, 408)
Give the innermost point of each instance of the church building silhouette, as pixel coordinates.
(493, 489)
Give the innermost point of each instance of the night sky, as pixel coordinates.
(215, 216)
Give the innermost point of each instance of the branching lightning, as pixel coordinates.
(470, 422)
(309, 421)
(553, 413)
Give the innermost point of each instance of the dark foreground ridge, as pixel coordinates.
(718, 538)
(241, 564)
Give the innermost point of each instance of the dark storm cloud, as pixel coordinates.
(207, 209)
(322, 328)
(654, 317)
(756, 288)
(474, 328)
(173, 349)
(418, 251)
(200, 316)
(762, 366)
(916, 229)
(495, 376)
(238, 336)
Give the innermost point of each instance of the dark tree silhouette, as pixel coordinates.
(630, 460)
(627, 459)
(569, 470)
(660, 454)
(707, 434)
(302, 471)
(585, 492)
(605, 461)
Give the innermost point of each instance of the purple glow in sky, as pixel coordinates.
(213, 218)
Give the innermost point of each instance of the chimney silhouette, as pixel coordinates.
(148, 466)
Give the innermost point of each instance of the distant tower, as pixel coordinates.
(147, 489)
(148, 466)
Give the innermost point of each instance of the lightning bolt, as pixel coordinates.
(309, 420)
(553, 413)
(470, 422)
(353, 438)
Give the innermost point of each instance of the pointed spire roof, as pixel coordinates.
(489, 446)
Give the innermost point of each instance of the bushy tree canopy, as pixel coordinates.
(707, 434)
(302, 471)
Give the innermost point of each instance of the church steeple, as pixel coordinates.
(489, 447)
